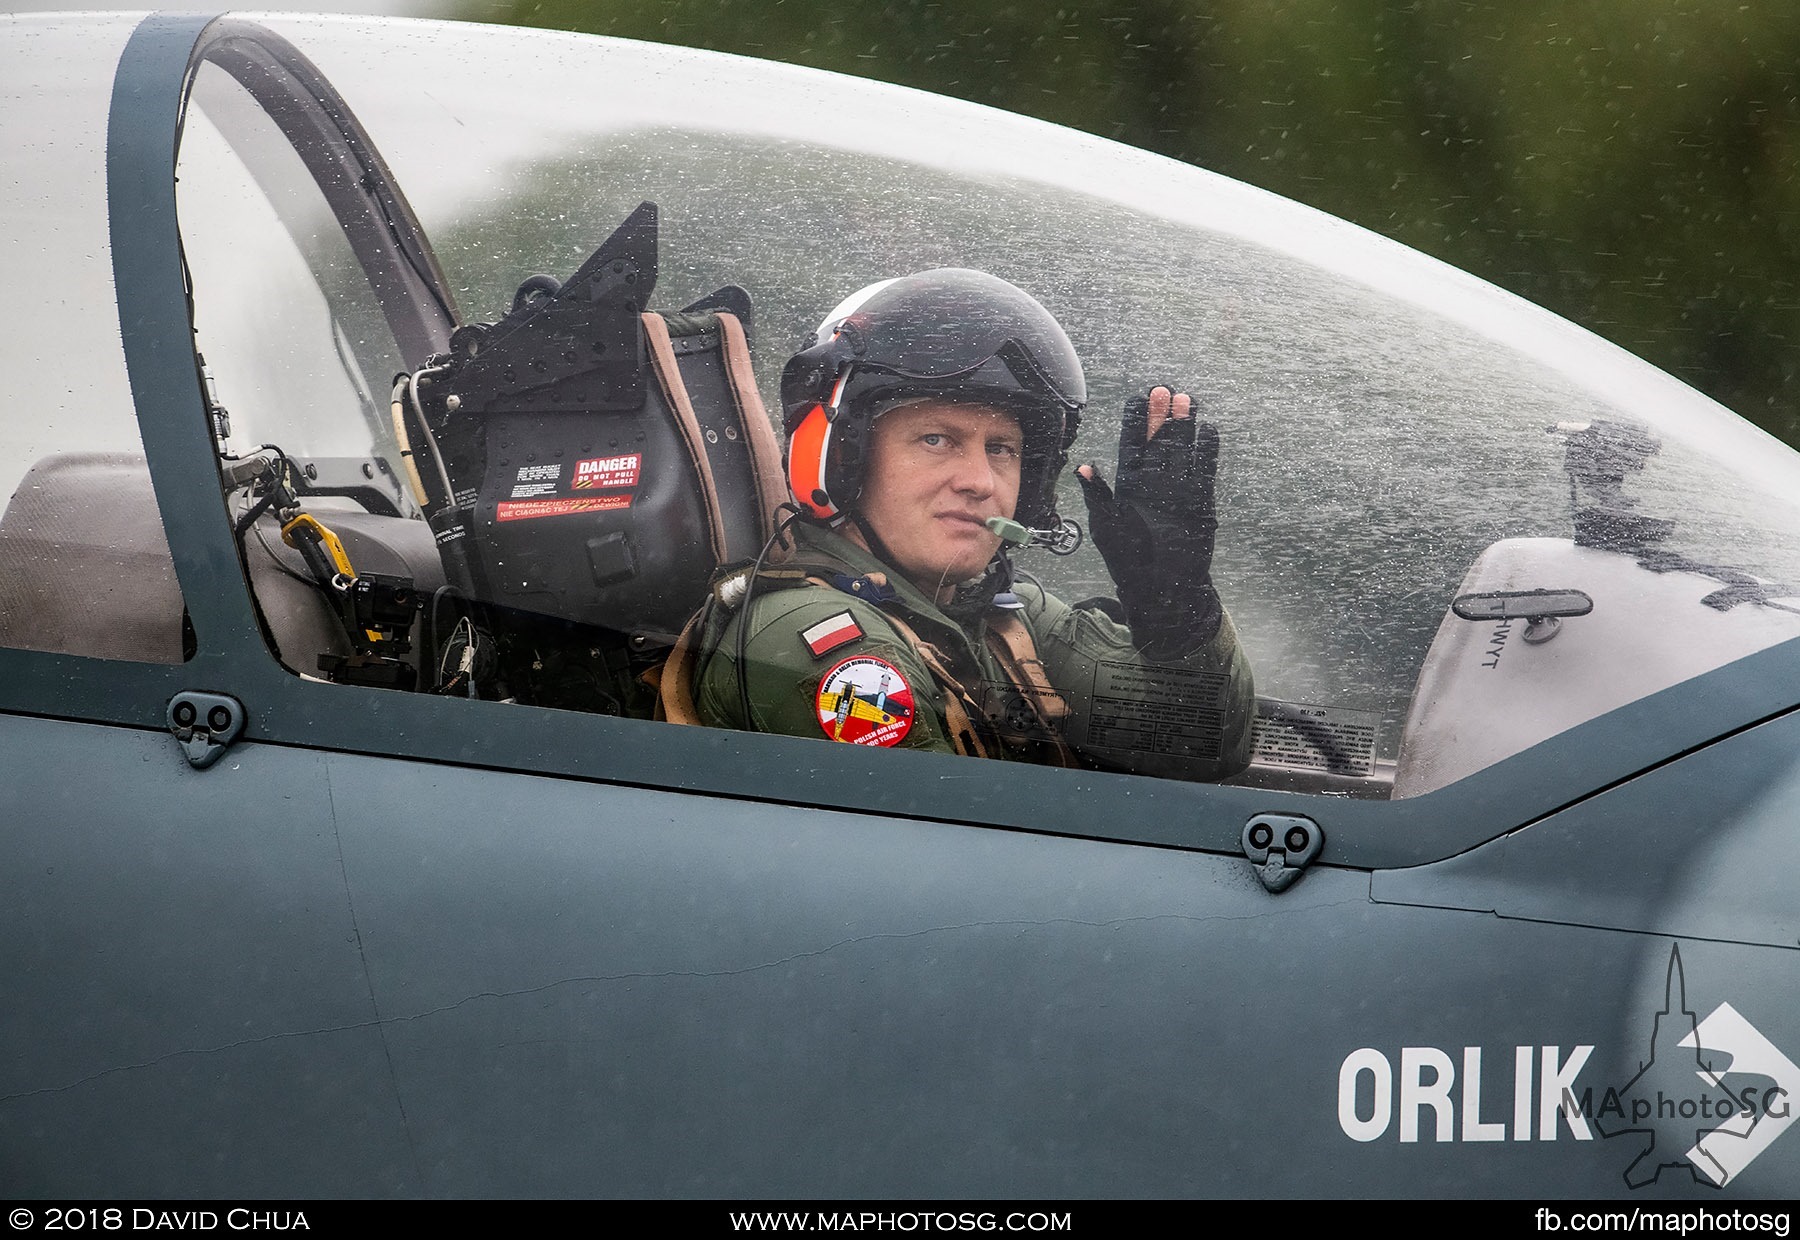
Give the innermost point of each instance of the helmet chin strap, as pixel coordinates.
(870, 539)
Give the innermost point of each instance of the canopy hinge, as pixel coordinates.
(1280, 846)
(205, 724)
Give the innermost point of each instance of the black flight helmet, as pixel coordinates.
(951, 333)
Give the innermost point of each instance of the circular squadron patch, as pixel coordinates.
(865, 701)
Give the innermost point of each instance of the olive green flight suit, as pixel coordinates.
(823, 659)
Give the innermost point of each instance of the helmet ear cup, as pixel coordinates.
(809, 449)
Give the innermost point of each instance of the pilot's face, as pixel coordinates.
(936, 472)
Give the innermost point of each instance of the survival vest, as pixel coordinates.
(1030, 725)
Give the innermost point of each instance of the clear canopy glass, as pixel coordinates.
(1395, 435)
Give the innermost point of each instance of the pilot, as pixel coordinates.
(928, 419)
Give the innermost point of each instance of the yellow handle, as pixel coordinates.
(340, 559)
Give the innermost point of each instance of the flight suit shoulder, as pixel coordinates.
(819, 662)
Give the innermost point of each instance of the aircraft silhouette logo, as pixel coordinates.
(1721, 1073)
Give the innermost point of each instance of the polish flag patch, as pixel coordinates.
(830, 633)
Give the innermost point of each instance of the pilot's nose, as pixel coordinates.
(974, 474)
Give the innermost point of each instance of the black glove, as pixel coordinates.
(1156, 531)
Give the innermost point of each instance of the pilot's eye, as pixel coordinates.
(934, 439)
(1004, 448)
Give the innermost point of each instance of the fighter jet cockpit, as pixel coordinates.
(494, 388)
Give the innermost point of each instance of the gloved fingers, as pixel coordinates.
(1118, 530)
(1180, 406)
(1164, 404)
(1176, 437)
(1134, 433)
(1186, 458)
(1096, 493)
(1167, 465)
(1157, 406)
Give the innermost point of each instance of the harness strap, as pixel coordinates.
(1011, 644)
(765, 453)
(673, 680)
(668, 376)
(960, 710)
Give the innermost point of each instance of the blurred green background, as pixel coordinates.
(1630, 164)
